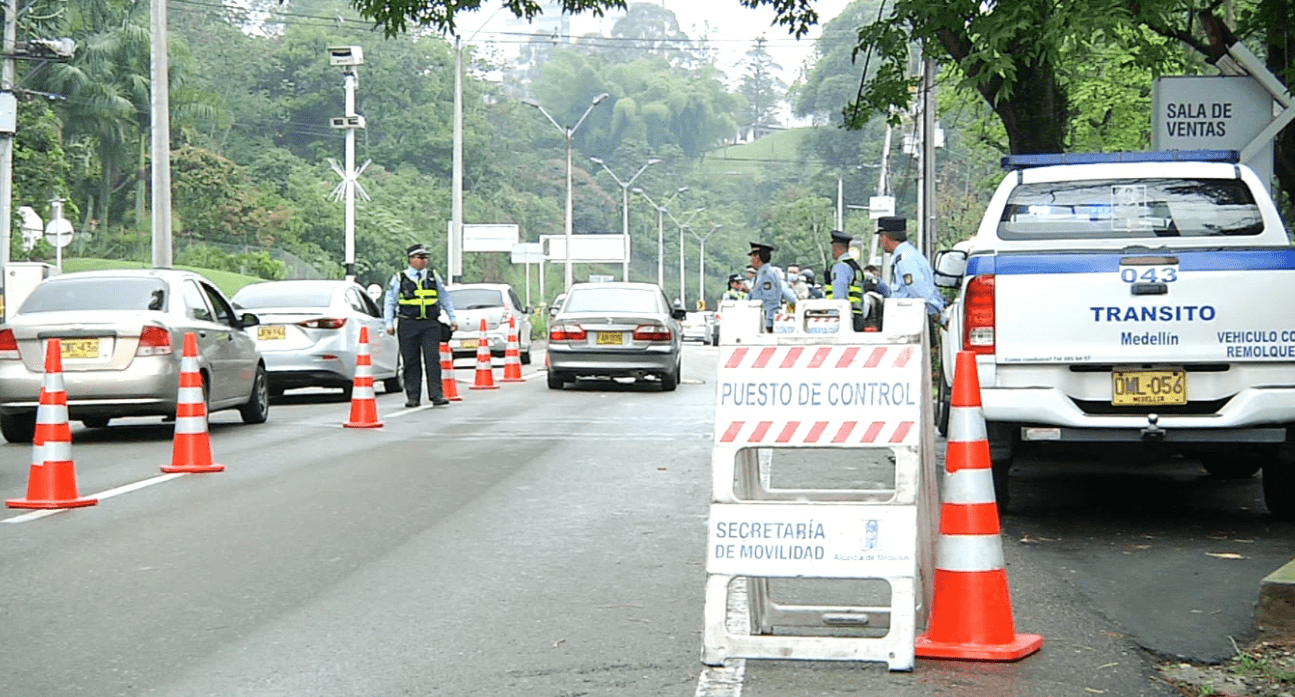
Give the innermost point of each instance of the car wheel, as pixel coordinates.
(714, 339)
(670, 381)
(257, 409)
(18, 428)
(396, 385)
(1002, 452)
(95, 422)
(526, 357)
(555, 381)
(1279, 488)
(942, 407)
(1222, 466)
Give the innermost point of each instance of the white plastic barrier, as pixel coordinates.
(819, 384)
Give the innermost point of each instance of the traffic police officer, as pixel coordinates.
(417, 296)
(767, 286)
(734, 291)
(845, 279)
(912, 276)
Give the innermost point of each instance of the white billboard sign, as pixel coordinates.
(585, 248)
(490, 237)
(1221, 112)
(881, 206)
(528, 253)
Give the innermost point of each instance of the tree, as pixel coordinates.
(762, 89)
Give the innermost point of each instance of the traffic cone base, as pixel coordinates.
(191, 451)
(364, 403)
(971, 607)
(449, 386)
(51, 481)
(52, 485)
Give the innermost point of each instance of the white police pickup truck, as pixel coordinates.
(1132, 297)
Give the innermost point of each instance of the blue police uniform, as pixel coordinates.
(913, 278)
(418, 298)
(769, 289)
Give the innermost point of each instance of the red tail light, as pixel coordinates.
(154, 341)
(652, 332)
(8, 345)
(567, 332)
(978, 320)
(325, 323)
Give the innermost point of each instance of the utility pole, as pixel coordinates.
(625, 208)
(928, 223)
(160, 113)
(456, 206)
(8, 125)
(348, 57)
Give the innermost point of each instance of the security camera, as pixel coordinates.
(345, 55)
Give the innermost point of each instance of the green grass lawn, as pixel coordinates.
(780, 149)
(227, 281)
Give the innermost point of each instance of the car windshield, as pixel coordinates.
(1130, 208)
(476, 298)
(260, 295)
(611, 300)
(97, 293)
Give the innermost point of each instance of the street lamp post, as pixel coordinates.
(568, 133)
(683, 225)
(701, 261)
(625, 207)
(660, 230)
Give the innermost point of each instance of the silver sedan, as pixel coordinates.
(616, 330)
(121, 337)
(309, 334)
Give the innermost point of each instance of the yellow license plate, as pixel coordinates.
(268, 333)
(79, 348)
(610, 338)
(468, 343)
(1148, 387)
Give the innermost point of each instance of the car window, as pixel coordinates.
(612, 300)
(512, 294)
(90, 294)
(372, 305)
(196, 301)
(1130, 208)
(263, 295)
(353, 299)
(476, 298)
(224, 313)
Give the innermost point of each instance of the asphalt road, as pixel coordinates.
(525, 541)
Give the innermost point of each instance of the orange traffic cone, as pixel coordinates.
(51, 482)
(485, 379)
(513, 355)
(971, 611)
(191, 451)
(364, 405)
(449, 386)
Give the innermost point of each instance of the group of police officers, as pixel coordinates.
(845, 279)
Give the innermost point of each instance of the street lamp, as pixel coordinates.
(568, 133)
(683, 225)
(701, 273)
(625, 207)
(660, 230)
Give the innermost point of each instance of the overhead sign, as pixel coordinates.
(593, 248)
(1222, 112)
(490, 237)
(881, 206)
(528, 253)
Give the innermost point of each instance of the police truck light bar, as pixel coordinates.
(1012, 162)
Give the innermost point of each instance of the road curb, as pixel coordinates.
(1275, 611)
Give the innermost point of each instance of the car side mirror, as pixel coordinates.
(950, 266)
(248, 319)
(679, 313)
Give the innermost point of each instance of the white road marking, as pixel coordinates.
(36, 515)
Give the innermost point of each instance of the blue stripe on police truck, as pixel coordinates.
(1099, 262)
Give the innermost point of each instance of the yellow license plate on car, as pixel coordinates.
(79, 348)
(1148, 387)
(610, 338)
(269, 333)
(468, 343)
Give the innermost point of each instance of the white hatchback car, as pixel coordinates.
(495, 303)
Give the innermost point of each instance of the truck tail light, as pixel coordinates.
(8, 345)
(566, 331)
(154, 341)
(978, 320)
(651, 332)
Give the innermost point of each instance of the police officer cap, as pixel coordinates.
(418, 250)
(733, 278)
(807, 274)
(893, 224)
(758, 247)
(839, 237)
